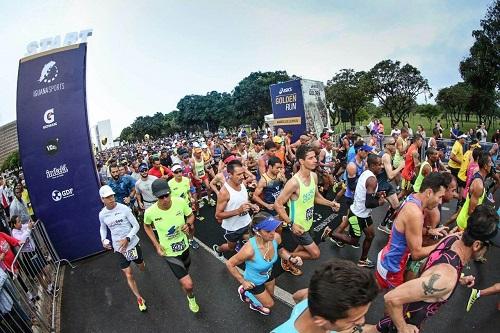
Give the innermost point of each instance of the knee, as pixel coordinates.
(315, 254)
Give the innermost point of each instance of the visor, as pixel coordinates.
(269, 224)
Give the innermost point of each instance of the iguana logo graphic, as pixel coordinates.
(49, 72)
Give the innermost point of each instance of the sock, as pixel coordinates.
(252, 298)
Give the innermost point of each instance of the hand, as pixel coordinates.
(297, 229)
(439, 232)
(107, 246)
(255, 208)
(126, 200)
(247, 285)
(270, 206)
(335, 205)
(141, 205)
(30, 225)
(244, 208)
(123, 245)
(297, 261)
(186, 228)
(2, 256)
(468, 281)
(160, 250)
(408, 328)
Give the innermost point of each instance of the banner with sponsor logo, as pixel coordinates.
(56, 151)
(299, 106)
(288, 107)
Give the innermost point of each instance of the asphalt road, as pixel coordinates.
(96, 297)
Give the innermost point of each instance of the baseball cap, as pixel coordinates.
(176, 167)
(160, 187)
(463, 136)
(105, 191)
(366, 148)
(143, 167)
(278, 139)
(269, 224)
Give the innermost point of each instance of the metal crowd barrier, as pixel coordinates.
(29, 288)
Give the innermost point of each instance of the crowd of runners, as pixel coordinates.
(263, 184)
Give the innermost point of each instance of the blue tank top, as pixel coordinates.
(359, 171)
(272, 189)
(259, 270)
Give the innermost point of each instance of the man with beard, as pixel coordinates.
(406, 235)
(122, 186)
(270, 186)
(301, 193)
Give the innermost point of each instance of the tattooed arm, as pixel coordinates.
(435, 284)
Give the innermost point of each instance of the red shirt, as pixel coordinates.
(160, 172)
(409, 169)
(6, 242)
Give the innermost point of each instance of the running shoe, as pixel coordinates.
(215, 247)
(142, 304)
(490, 198)
(260, 309)
(326, 233)
(474, 295)
(337, 242)
(355, 246)
(193, 306)
(243, 297)
(384, 229)
(291, 268)
(366, 263)
(194, 244)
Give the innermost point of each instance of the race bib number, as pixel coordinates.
(179, 246)
(131, 254)
(201, 173)
(310, 213)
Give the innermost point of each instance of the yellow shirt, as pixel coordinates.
(462, 173)
(458, 151)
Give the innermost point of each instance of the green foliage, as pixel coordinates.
(251, 97)
(12, 161)
(348, 92)
(454, 100)
(396, 87)
(428, 111)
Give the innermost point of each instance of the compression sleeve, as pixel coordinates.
(351, 183)
(371, 200)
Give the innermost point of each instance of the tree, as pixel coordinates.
(251, 97)
(481, 69)
(428, 111)
(348, 91)
(397, 88)
(12, 161)
(455, 101)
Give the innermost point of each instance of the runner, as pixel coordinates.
(123, 187)
(180, 187)
(269, 151)
(402, 145)
(406, 234)
(143, 193)
(428, 166)
(301, 193)
(199, 176)
(384, 179)
(477, 193)
(123, 226)
(456, 157)
(410, 304)
(270, 186)
(366, 198)
(233, 209)
(412, 164)
(326, 161)
(173, 220)
(326, 309)
(259, 254)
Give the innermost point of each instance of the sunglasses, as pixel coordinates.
(178, 171)
(163, 196)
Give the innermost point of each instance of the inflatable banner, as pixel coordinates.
(56, 151)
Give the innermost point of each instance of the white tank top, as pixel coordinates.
(236, 199)
(358, 207)
(328, 157)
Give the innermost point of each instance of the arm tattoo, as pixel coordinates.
(429, 287)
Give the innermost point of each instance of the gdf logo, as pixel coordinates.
(49, 72)
(59, 195)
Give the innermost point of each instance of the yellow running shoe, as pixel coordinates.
(474, 295)
(142, 304)
(193, 306)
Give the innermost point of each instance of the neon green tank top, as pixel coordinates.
(180, 189)
(463, 216)
(199, 168)
(420, 178)
(302, 209)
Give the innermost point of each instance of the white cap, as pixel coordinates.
(463, 136)
(176, 167)
(105, 191)
(264, 136)
(196, 145)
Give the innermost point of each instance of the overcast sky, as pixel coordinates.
(146, 55)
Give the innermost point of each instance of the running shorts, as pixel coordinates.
(305, 239)
(357, 224)
(179, 264)
(134, 255)
(236, 235)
